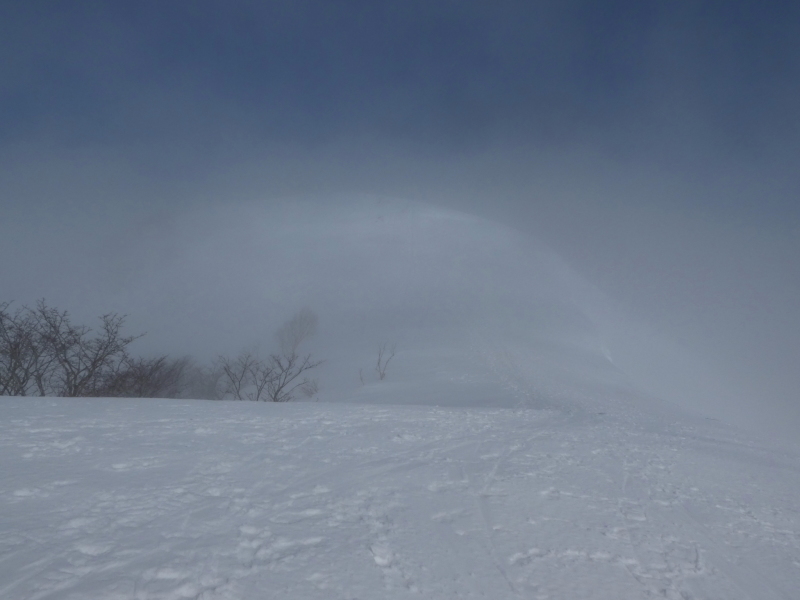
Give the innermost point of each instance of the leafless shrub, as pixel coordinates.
(289, 369)
(289, 377)
(41, 351)
(385, 354)
(279, 378)
(81, 362)
(19, 352)
(159, 377)
(282, 376)
(237, 374)
(261, 375)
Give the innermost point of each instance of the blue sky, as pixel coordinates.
(447, 72)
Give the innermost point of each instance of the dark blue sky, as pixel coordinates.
(441, 73)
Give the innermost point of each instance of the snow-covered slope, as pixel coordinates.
(605, 495)
(507, 454)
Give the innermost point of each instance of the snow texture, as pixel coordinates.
(609, 496)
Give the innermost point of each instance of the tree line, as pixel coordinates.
(43, 353)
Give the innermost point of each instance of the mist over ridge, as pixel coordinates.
(437, 281)
(652, 147)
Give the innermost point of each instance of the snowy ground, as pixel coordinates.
(611, 498)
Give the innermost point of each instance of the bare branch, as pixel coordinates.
(385, 354)
(261, 374)
(64, 359)
(19, 352)
(237, 373)
(288, 376)
(146, 378)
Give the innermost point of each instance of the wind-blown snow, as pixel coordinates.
(604, 495)
(506, 455)
(223, 278)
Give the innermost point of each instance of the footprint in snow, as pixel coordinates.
(381, 554)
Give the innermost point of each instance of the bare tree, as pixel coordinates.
(42, 352)
(237, 373)
(77, 363)
(261, 376)
(385, 354)
(288, 369)
(288, 377)
(19, 352)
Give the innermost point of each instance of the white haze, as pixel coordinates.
(572, 267)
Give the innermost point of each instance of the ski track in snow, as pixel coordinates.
(154, 499)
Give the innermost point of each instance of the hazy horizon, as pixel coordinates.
(651, 150)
